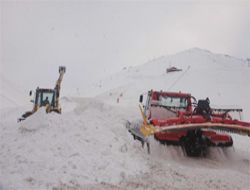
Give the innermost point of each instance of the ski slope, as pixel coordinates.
(88, 146)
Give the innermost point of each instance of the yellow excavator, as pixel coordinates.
(48, 98)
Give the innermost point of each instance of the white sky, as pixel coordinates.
(93, 39)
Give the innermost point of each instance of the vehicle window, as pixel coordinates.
(172, 101)
(50, 96)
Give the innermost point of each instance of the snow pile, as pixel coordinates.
(88, 146)
(84, 146)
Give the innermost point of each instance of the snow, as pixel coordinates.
(11, 95)
(88, 146)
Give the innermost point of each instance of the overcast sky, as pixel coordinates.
(96, 38)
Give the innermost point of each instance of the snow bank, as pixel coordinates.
(87, 145)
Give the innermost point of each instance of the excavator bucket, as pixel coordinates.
(62, 69)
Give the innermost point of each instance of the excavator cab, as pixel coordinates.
(44, 97)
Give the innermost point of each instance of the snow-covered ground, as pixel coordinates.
(88, 146)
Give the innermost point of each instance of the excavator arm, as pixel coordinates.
(57, 88)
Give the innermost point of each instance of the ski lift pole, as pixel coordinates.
(182, 75)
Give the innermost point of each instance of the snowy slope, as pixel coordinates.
(88, 146)
(11, 95)
(224, 79)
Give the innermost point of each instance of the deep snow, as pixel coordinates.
(88, 146)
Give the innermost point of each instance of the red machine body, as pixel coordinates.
(164, 109)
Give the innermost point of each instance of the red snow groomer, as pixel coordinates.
(176, 118)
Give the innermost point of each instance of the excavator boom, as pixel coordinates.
(57, 88)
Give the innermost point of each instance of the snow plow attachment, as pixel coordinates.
(194, 129)
(135, 130)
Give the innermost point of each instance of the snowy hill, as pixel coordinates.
(88, 146)
(224, 79)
